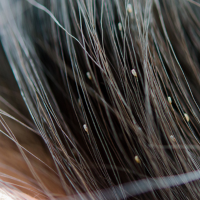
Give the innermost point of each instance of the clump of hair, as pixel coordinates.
(110, 89)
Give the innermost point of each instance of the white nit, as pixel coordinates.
(85, 128)
(172, 138)
(187, 117)
(129, 8)
(120, 26)
(169, 99)
(137, 159)
(89, 75)
(134, 72)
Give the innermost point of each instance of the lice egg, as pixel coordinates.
(186, 117)
(169, 99)
(89, 75)
(129, 8)
(172, 138)
(120, 26)
(85, 128)
(137, 159)
(134, 72)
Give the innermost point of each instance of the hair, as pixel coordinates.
(99, 99)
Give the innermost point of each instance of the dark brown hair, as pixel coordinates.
(104, 101)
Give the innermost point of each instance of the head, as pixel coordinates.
(100, 99)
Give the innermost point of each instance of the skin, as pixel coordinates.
(12, 160)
